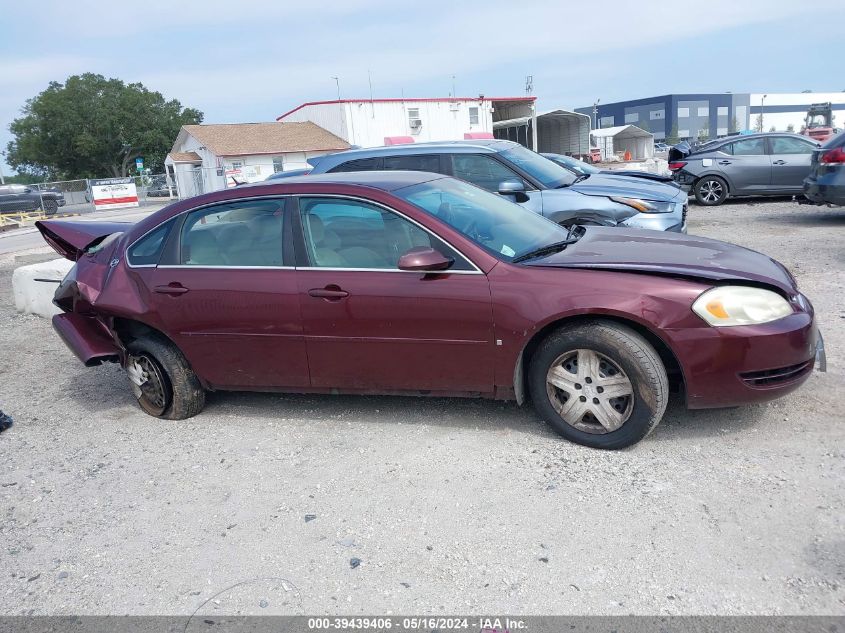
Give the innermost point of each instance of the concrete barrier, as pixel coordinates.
(34, 286)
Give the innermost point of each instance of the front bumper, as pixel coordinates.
(731, 366)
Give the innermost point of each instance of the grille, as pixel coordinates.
(684, 213)
(771, 377)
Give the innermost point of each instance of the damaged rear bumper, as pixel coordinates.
(87, 338)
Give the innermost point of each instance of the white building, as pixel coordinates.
(376, 122)
(211, 157)
(785, 109)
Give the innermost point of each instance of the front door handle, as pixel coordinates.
(724, 162)
(173, 288)
(331, 292)
(778, 162)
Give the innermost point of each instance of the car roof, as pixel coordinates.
(709, 146)
(384, 180)
(436, 147)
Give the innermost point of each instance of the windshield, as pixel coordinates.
(501, 227)
(549, 174)
(573, 164)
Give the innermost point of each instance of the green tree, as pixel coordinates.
(673, 139)
(92, 126)
(758, 122)
(643, 125)
(790, 128)
(703, 132)
(734, 126)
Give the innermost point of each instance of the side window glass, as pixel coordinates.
(425, 162)
(750, 147)
(247, 233)
(787, 145)
(147, 250)
(482, 171)
(343, 233)
(363, 164)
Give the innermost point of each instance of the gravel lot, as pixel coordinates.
(452, 506)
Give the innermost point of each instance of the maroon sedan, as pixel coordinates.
(413, 283)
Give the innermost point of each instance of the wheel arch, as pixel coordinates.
(674, 370)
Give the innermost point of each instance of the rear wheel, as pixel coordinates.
(161, 379)
(599, 384)
(710, 191)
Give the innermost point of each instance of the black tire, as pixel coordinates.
(50, 207)
(628, 351)
(182, 394)
(710, 191)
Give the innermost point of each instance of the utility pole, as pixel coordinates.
(337, 81)
(2, 159)
(596, 114)
(762, 100)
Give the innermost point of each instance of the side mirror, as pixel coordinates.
(424, 258)
(515, 188)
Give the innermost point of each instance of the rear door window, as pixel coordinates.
(241, 234)
(748, 147)
(362, 164)
(421, 162)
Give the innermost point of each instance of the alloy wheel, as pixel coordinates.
(589, 391)
(711, 190)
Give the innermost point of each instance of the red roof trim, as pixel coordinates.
(411, 100)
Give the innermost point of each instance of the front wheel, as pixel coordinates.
(161, 379)
(599, 384)
(50, 207)
(710, 191)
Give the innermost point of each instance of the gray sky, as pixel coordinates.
(253, 61)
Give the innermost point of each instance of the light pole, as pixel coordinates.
(2, 160)
(596, 114)
(762, 100)
(337, 81)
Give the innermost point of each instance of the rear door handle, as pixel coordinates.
(778, 162)
(724, 162)
(329, 292)
(173, 288)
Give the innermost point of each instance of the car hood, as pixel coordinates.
(69, 238)
(625, 186)
(638, 250)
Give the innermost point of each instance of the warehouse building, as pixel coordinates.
(712, 115)
(377, 122)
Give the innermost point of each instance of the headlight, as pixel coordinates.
(740, 305)
(644, 206)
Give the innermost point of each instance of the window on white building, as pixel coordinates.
(414, 120)
(473, 115)
(704, 111)
(237, 164)
(632, 117)
(683, 113)
(722, 111)
(278, 164)
(656, 115)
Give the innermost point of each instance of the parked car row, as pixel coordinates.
(28, 199)
(826, 182)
